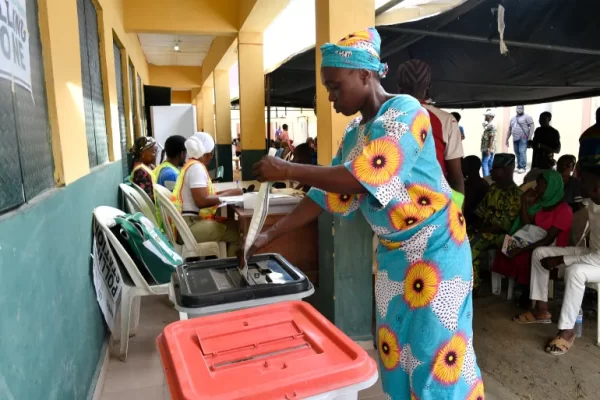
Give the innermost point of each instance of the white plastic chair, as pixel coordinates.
(136, 203)
(133, 288)
(497, 278)
(190, 248)
(144, 196)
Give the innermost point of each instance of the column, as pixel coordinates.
(252, 100)
(59, 32)
(208, 108)
(197, 103)
(208, 114)
(223, 122)
(345, 293)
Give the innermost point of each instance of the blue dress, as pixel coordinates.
(424, 279)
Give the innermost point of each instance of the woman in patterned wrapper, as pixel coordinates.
(386, 167)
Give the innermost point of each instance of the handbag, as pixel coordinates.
(148, 247)
(525, 236)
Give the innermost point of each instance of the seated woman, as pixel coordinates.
(197, 200)
(543, 207)
(475, 186)
(496, 213)
(302, 155)
(144, 155)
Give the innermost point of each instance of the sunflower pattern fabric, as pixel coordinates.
(424, 279)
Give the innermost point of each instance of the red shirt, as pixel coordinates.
(438, 136)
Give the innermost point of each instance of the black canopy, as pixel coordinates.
(554, 54)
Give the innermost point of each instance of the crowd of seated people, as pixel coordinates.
(548, 199)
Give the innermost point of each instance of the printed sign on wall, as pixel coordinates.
(14, 43)
(107, 277)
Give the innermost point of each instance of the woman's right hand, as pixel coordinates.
(262, 240)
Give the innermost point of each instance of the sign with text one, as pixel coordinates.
(14, 43)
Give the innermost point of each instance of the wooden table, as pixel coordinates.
(299, 247)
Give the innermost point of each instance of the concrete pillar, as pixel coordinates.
(223, 122)
(63, 87)
(252, 100)
(208, 109)
(208, 114)
(345, 292)
(197, 103)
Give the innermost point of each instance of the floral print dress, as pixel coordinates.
(424, 280)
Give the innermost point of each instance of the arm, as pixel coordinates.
(305, 212)
(202, 199)
(509, 133)
(531, 126)
(231, 192)
(455, 175)
(453, 155)
(330, 179)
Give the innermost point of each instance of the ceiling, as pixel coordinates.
(159, 49)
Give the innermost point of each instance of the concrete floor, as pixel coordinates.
(141, 377)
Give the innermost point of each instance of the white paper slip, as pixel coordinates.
(261, 211)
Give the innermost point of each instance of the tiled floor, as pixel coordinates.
(141, 377)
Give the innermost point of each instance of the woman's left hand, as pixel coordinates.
(271, 169)
(514, 252)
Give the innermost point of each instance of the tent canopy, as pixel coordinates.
(554, 54)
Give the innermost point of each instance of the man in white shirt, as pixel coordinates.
(581, 265)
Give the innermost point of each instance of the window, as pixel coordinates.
(26, 164)
(121, 103)
(133, 114)
(141, 111)
(91, 77)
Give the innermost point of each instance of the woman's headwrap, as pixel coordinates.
(199, 144)
(142, 144)
(358, 50)
(553, 195)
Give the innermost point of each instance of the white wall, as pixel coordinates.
(178, 119)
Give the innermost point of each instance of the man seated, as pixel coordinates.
(168, 171)
(581, 265)
(565, 167)
(496, 213)
(303, 155)
(475, 186)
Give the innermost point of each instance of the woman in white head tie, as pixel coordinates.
(196, 199)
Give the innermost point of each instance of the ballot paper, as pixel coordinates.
(258, 220)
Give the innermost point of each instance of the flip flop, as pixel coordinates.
(559, 346)
(528, 318)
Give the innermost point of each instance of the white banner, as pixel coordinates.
(107, 277)
(14, 43)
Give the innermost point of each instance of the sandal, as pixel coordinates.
(528, 318)
(559, 346)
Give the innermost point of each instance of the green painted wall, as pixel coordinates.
(345, 293)
(51, 329)
(224, 159)
(249, 158)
